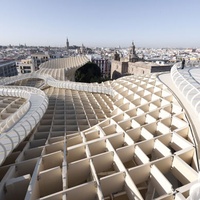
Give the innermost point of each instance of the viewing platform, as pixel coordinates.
(187, 80)
(132, 138)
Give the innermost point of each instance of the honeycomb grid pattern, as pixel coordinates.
(8, 106)
(136, 144)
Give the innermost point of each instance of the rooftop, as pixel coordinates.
(133, 138)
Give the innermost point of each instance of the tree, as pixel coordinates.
(88, 73)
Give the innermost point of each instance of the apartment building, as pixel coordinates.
(39, 58)
(8, 68)
(26, 66)
(104, 65)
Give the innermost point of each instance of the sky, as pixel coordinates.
(102, 23)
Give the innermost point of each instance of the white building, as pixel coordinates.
(26, 66)
(39, 58)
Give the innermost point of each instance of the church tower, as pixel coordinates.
(67, 45)
(116, 56)
(132, 54)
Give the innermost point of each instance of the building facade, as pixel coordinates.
(104, 65)
(39, 58)
(133, 65)
(26, 66)
(8, 68)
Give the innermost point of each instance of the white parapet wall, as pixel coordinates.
(50, 81)
(187, 87)
(24, 122)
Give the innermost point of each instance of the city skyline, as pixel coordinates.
(111, 23)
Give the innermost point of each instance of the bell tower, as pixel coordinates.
(132, 54)
(67, 44)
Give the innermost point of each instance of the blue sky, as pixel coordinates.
(149, 23)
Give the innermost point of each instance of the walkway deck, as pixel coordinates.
(192, 74)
